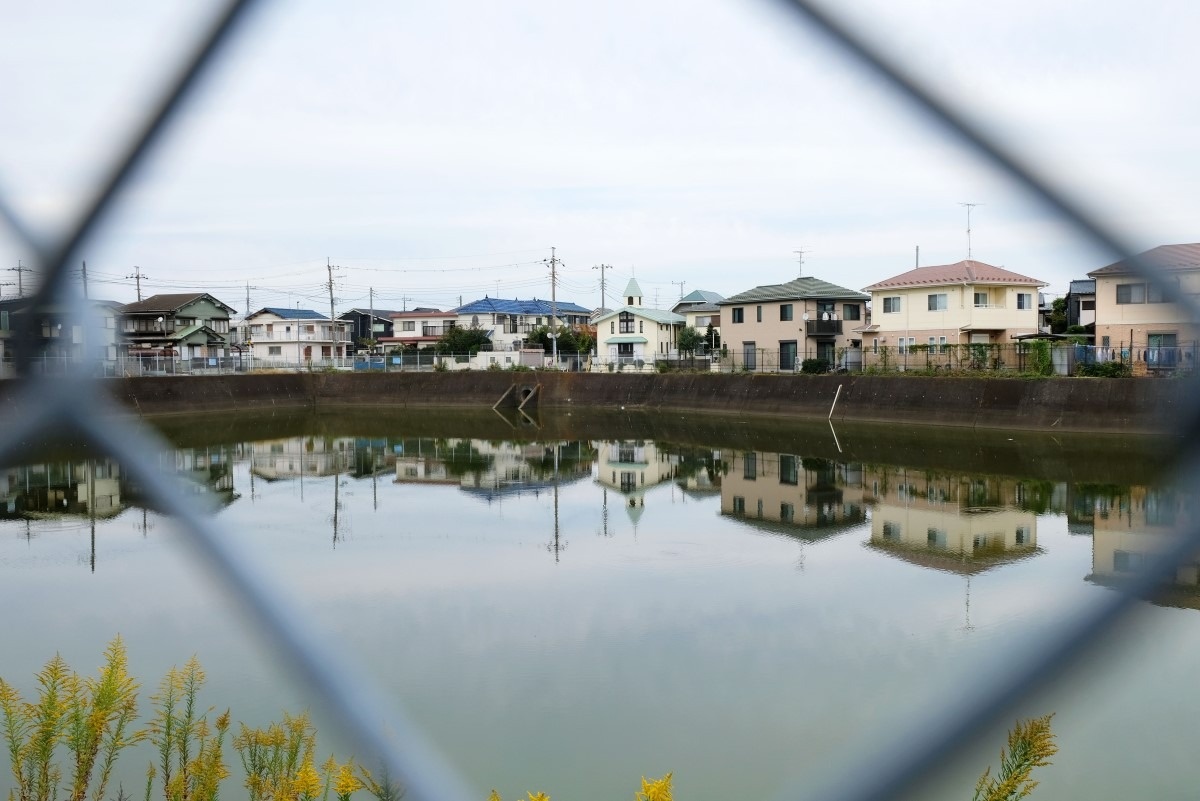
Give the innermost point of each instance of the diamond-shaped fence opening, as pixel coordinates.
(73, 401)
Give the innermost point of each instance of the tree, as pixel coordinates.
(569, 340)
(690, 340)
(1058, 316)
(712, 337)
(463, 340)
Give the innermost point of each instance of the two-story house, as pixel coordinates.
(952, 304)
(700, 309)
(279, 335)
(508, 323)
(1131, 311)
(367, 324)
(189, 325)
(777, 326)
(419, 328)
(1081, 303)
(632, 335)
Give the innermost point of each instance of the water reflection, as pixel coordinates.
(506, 578)
(963, 524)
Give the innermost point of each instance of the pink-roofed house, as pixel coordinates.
(967, 302)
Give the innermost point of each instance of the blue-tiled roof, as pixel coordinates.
(292, 314)
(535, 307)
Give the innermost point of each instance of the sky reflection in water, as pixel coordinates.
(572, 615)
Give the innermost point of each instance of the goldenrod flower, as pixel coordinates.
(308, 782)
(346, 782)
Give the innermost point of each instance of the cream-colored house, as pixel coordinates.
(420, 328)
(777, 326)
(1163, 333)
(784, 493)
(634, 336)
(280, 336)
(951, 304)
(700, 309)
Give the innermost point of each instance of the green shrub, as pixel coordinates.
(814, 366)
(1104, 370)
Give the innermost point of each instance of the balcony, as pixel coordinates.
(822, 328)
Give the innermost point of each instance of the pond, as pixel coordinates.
(572, 603)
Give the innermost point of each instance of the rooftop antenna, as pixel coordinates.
(800, 259)
(969, 207)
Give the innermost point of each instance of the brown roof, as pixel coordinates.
(966, 271)
(168, 303)
(1163, 257)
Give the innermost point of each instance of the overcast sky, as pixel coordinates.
(439, 150)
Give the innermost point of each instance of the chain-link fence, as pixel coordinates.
(71, 399)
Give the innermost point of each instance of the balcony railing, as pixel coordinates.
(817, 328)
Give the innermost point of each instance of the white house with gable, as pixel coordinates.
(634, 336)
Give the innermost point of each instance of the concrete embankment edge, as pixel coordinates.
(1079, 405)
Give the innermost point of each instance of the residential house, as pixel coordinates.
(190, 325)
(701, 309)
(420, 328)
(280, 335)
(634, 335)
(631, 467)
(508, 323)
(951, 304)
(60, 337)
(491, 470)
(367, 324)
(1081, 304)
(1131, 311)
(776, 326)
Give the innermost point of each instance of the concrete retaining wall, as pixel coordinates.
(1077, 404)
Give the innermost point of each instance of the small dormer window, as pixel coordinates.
(629, 300)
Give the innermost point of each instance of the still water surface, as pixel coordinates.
(571, 614)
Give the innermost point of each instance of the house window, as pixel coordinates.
(981, 300)
(275, 350)
(612, 326)
(625, 350)
(789, 471)
(787, 513)
(1024, 300)
(759, 314)
(1022, 535)
(1087, 305)
(875, 344)
(785, 312)
(1154, 294)
(750, 466)
(937, 302)
(936, 538)
(787, 355)
(3, 321)
(942, 344)
(933, 344)
(626, 320)
(851, 311)
(408, 325)
(891, 305)
(1105, 342)
(641, 327)
(1131, 293)
(826, 310)
(310, 329)
(739, 315)
(739, 505)
(891, 531)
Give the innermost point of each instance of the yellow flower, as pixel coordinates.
(308, 782)
(495, 796)
(655, 789)
(346, 782)
(538, 797)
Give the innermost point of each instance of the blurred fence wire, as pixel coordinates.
(74, 401)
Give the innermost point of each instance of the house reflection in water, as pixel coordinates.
(490, 469)
(55, 489)
(962, 524)
(299, 457)
(786, 493)
(1132, 525)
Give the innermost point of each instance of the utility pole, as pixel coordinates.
(681, 285)
(19, 270)
(969, 207)
(247, 300)
(404, 299)
(371, 320)
(83, 272)
(800, 259)
(332, 322)
(602, 268)
(553, 307)
(138, 276)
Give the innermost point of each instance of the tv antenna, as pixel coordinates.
(969, 207)
(800, 259)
